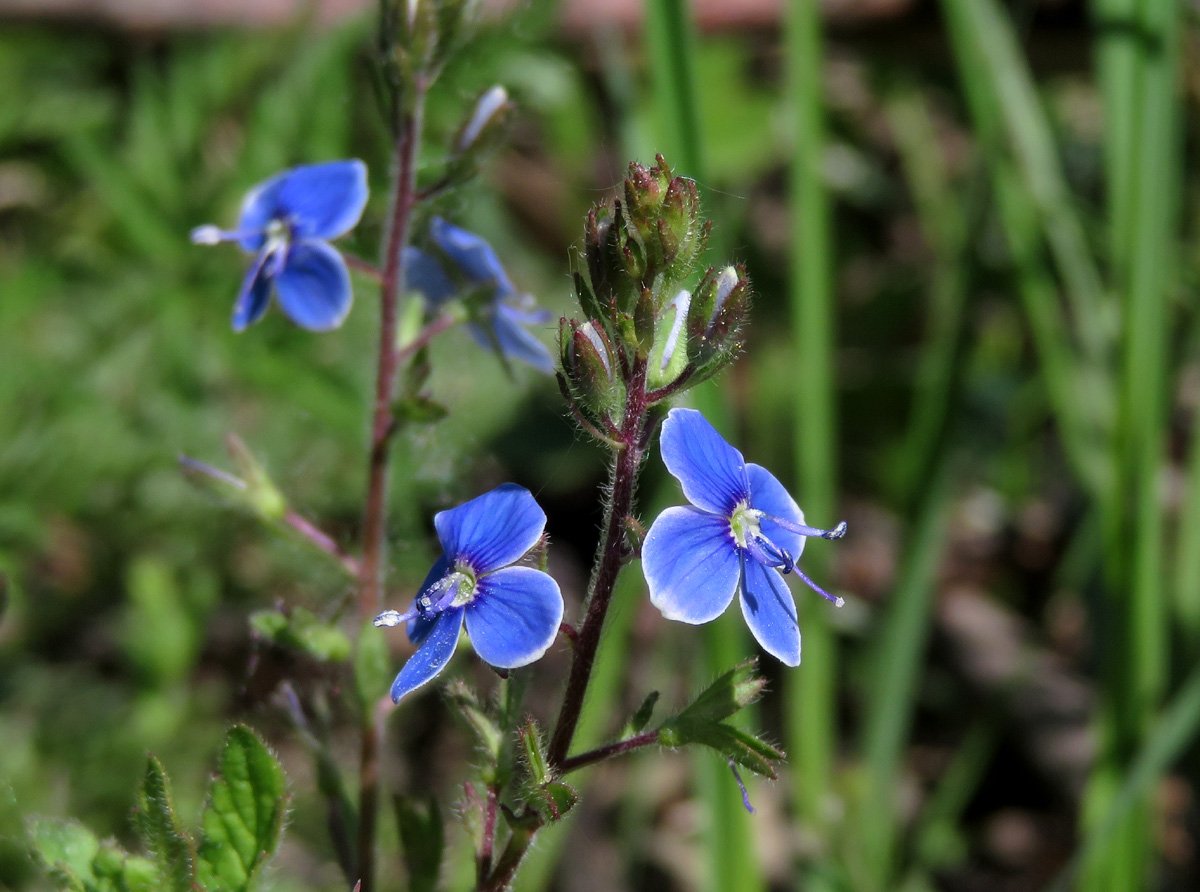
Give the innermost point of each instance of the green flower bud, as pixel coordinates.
(589, 372)
(719, 307)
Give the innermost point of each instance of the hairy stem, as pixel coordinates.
(599, 754)
(626, 463)
(610, 557)
(371, 567)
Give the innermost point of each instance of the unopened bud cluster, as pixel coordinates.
(639, 253)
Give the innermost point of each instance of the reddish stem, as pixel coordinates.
(374, 551)
(626, 463)
(607, 752)
(321, 540)
(483, 864)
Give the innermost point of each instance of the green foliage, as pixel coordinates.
(302, 630)
(173, 850)
(243, 820)
(242, 824)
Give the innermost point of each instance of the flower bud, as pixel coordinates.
(486, 122)
(645, 188)
(588, 360)
(719, 306)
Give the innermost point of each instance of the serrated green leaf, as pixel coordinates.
(173, 850)
(65, 849)
(244, 816)
(423, 838)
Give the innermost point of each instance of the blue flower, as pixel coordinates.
(511, 613)
(501, 325)
(286, 223)
(741, 532)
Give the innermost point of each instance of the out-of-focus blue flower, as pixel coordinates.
(512, 614)
(740, 533)
(502, 323)
(286, 223)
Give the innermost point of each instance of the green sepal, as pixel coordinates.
(732, 691)
(261, 494)
(533, 751)
(173, 849)
(243, 819)
(302, 630)
(488, 734)
(644, 323)
(373, 671)
(422, 837)
(553, 800)
(640, 719)
(742, 747)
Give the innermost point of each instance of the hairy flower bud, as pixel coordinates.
(719, 307)
(589, 372)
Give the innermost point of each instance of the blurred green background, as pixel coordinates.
(971, 227)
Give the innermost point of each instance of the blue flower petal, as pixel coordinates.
(492, 530)
(470, 253)
(419, 627)
(314, 287)
(768, 495)
(515, 616)
(324, 200)
(691, 564)
(424, 274)
(514, 341)
(432, 656)
(255, 295)
(770, 612)
(712, 473)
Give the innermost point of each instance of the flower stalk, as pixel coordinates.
(374, 552)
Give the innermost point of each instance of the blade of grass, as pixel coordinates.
(944, 227)
(1080, 416)
(671, 44)
(892, 693)
(1177, 728)
(810, 690)
(1026, 127)
(1138, 73)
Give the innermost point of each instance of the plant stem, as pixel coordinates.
(320, 540)
(599, 754)
(483, 863)
(371, 567)
(610, 557)
(442, 323)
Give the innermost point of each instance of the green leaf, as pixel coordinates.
(173, 849)
(65, 849)
(423, 838)
(244, 816)
(304, 631)
(640, 719)
(117, 871)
